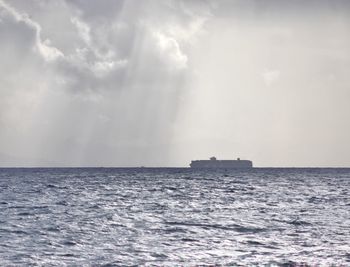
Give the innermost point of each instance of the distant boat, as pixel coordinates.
(213, 163)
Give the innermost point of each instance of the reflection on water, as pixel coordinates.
(113, 217)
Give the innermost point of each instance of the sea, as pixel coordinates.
(174, 217)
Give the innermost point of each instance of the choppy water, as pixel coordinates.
(172, 217)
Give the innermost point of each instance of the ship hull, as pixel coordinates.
(221, 164)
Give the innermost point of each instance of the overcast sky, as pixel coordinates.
(162, 82)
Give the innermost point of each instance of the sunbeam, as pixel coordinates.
(130, 83)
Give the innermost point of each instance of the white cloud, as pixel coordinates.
(271, 76)
(113, 79)
(83, 30)
(103, 68)
(170, 48)
(48, 52)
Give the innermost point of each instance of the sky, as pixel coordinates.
(163, 82)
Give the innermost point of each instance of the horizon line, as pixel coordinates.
(169, 167)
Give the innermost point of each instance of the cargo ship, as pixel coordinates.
(214, 163)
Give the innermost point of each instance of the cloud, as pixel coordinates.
(83, 30)
(171, 50)
(120, 38)
(48, 52)
(114, 39)
(271, 76)
(87, 82)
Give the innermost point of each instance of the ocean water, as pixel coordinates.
(174, 217)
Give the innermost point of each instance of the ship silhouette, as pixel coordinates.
(214, 163)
